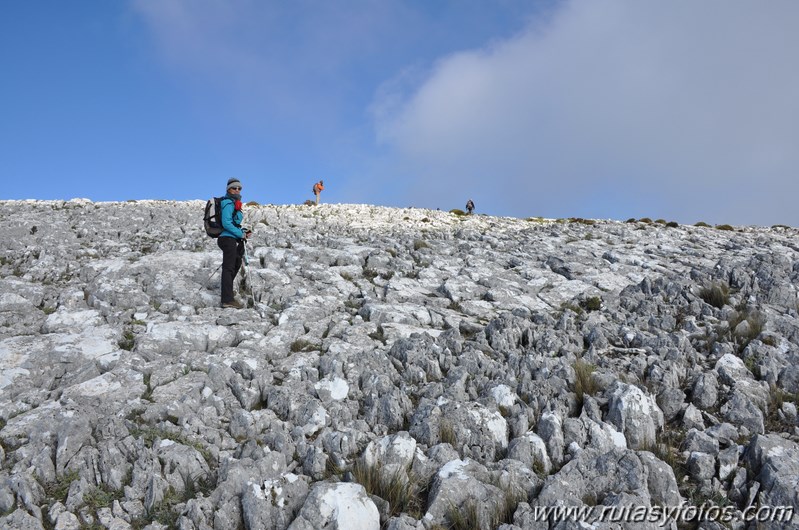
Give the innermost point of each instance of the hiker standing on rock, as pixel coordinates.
(317, 190)
(231, 241)
(469, 206)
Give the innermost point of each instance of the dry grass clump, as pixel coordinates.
(717, 294)
(584, 383)
(403, 491)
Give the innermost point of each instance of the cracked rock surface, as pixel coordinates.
(394, 368)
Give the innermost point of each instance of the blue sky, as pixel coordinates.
(679, 110)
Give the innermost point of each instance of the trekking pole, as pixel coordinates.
(204, 287)
(247, 275)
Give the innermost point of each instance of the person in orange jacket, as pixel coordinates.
(317, 189)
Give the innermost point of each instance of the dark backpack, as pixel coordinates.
(213, 217)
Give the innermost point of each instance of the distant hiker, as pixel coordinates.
(231, 241)
(317, 190)
(469, 206)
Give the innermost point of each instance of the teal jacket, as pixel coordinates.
(231, 219)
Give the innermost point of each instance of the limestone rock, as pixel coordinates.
(506, 364)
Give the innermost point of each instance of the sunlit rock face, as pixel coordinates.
(393, 368)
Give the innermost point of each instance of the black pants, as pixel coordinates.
(232, 256)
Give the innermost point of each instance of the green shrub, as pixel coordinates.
(646, 220)
(127, 341)
(456, 211)
(727, 228)
(631, 220)
(59, 489)
(702, 224)
(672, 224)
(593, 303)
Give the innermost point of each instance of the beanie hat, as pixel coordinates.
(234, 182)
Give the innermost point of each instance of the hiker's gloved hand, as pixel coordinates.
(247, 234)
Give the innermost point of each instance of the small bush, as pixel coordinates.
(252, 203)
(576, 309)
(717, 294)
(420, 244)
(646, 220)
(582, 221)
(631, 220)
(127, 341)
(594, 303)
(727, 228)
(672, 224)
(660, 221)
(702, 224)
(378, 335)
(456, 211)
(301, 345)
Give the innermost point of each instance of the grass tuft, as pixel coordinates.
(593, 303)
(717, 294)
(420, 244)
(446, 433)
(584, 383)
(402, 491)
(302, 345)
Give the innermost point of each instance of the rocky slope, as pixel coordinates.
(396, 368)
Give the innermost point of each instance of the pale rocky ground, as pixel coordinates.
(482, 366)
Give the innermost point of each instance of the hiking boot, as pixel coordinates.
(234, 304)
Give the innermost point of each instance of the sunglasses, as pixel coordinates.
(235, 188)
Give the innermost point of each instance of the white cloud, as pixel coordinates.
(613, 108)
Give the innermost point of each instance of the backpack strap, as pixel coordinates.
(237, 225)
